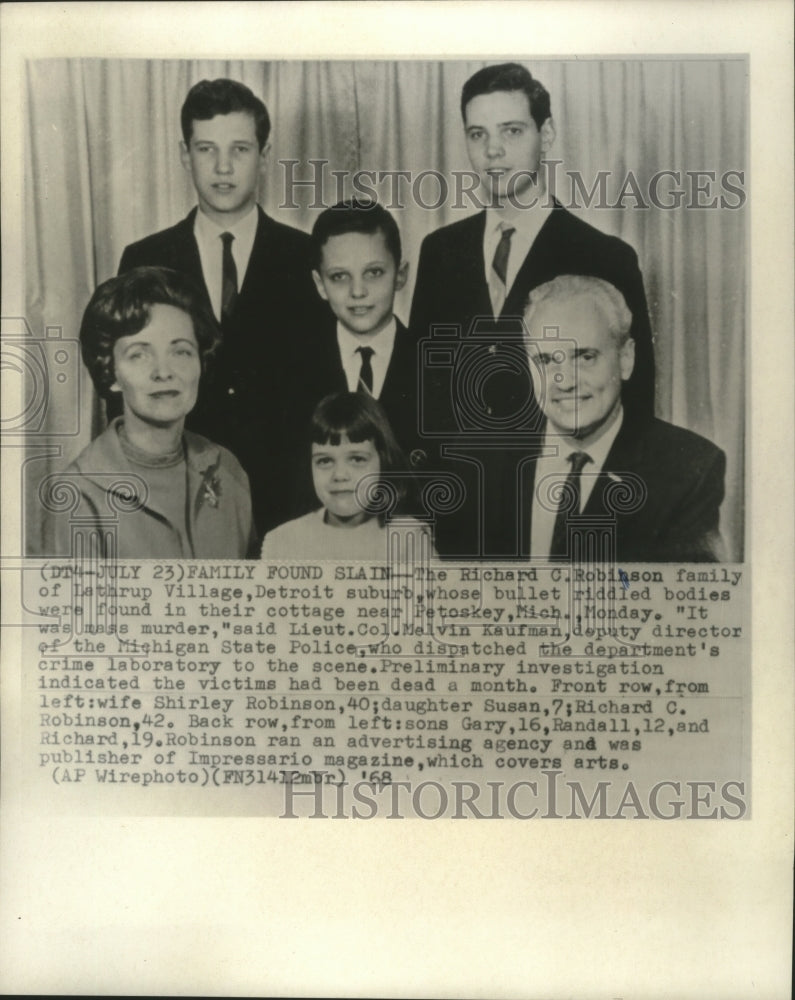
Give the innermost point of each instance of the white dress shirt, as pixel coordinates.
(555, 462)
(527, 224)
(211, 251)
(382, 344)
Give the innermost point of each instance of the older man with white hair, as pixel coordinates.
(659, 486)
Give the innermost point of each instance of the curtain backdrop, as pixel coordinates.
(102, 168)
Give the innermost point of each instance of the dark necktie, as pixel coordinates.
(366, 372)
(568, 508)
(228, 278)
(503, 252)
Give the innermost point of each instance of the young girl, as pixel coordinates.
(351, 439)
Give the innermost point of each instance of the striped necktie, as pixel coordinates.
(503, 252)
(228, 278)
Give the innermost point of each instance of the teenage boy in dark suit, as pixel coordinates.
(254, 273)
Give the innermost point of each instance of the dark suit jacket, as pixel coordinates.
(476, 393)
(242, 402)
(315, 375)
(661, 486)
(451, 291)
(322, 373)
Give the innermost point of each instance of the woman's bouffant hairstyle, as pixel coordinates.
(358, 417)
(122, 306)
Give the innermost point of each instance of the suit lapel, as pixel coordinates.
(401, 364)
(322, 366)
(186, 251)
(469, 269)
(537, 261)
(258, 263)
(187, 259)
(332, 361)
(622, 458)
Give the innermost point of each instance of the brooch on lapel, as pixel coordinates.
(211, 489)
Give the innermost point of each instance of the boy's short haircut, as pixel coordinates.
(209, 98)
(122, 306)
(508, 76)
(357, 215)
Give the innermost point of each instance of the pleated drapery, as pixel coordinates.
(102, 169)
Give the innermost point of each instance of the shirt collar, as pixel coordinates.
(598, 451)
(244, 229)
(381, 342)
(527, 223)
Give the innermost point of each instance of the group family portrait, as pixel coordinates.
(299, 305)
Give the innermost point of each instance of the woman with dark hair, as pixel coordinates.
(159, 490)
(360, 478)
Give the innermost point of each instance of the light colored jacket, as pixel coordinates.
(309, 537)
(106, 496)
